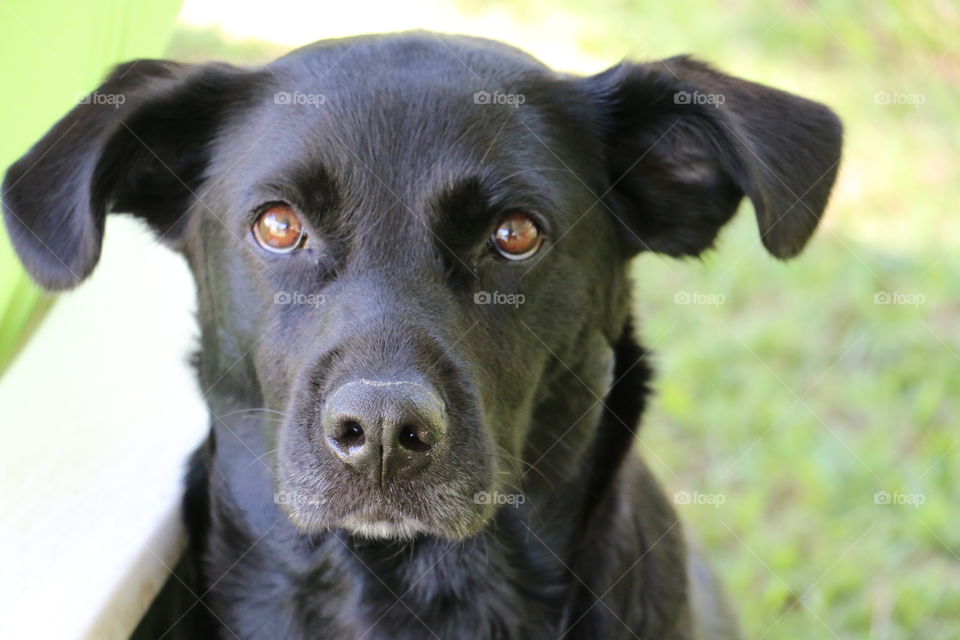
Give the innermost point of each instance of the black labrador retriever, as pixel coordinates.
(411, 255)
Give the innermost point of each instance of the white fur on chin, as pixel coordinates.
(382, 529)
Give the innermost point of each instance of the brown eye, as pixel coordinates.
(517, 237)
(278, 229)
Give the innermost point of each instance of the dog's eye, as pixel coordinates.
(517, 237)
(278, 229)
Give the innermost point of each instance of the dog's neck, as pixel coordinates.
(531, 553)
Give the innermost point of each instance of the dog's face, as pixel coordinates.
(401, 243)
(389, 318)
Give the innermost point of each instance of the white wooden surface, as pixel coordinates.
(97, 417)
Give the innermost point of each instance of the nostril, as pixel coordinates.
(349, 435)
(414, 439)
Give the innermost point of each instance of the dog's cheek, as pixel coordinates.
(276, 375)
(282, 349)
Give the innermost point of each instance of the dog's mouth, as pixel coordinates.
(451, 510)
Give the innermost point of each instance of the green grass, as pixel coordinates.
(800, 397)
(797, 400)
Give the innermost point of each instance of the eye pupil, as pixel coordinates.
(278, 229)
(517, 237)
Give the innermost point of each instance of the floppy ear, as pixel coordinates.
(138, 145)
(685, 143)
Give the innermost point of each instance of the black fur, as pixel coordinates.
(400, 174)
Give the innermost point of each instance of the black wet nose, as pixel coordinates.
(384, 429)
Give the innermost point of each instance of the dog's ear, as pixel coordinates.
(138, 144)
(684, 144)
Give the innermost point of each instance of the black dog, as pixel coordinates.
(411, 254)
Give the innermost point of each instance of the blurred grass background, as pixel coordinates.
(805, 388)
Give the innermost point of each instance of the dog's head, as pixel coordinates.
(406, 244)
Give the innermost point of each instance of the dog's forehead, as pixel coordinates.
(398, 117)
(406, 99)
